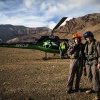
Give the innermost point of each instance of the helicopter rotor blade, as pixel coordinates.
(59, 23)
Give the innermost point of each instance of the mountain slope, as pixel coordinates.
(90, 22)
(21, 33)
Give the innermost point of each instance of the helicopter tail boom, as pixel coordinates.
(28, 46)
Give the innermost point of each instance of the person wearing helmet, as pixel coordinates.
(92, 64)
(76, 52)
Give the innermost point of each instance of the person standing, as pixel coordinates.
(63, 49)
(76, 52)
(92, 54)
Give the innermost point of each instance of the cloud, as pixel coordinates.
(43, 6)
(38, 13)
(51, 24)
(10, 20)
(28, 3)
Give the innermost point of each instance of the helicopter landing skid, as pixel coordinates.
(46, 57)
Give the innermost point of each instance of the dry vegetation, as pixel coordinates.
(24, 74)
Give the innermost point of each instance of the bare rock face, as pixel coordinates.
(11, 33)
(90, 22)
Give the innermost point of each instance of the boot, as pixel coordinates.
(90, 91)
(97, 96)
(78, 90)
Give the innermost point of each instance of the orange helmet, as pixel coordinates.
(77, 35)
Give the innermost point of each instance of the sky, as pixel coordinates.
(44, 13)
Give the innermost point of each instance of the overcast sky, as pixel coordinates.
(44, 13)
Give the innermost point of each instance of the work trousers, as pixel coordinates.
(93, 75)
(62, 53)
(76, 67)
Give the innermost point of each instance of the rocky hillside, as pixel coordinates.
(90, 22)
(10, 33)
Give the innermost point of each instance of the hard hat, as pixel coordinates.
(77, 35)
(88, 34)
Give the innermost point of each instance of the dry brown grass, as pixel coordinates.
(24, 74)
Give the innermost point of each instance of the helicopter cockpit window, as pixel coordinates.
(54, 44)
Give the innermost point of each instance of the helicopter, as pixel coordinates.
(48, 44)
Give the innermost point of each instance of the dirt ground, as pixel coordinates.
(24, 74)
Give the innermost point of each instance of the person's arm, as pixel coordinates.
(98, 50)
(72, 49)
(84, 59)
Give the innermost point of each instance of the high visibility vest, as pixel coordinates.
(63, 46)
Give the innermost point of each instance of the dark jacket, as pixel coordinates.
(76, 51)
(92, 50)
